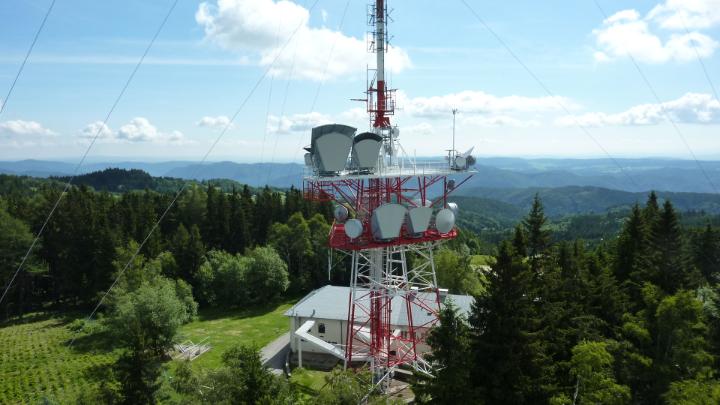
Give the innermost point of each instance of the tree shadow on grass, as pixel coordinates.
(28, 318)
(305, 390)
(98, 341)
(212, 314)
(62, 318)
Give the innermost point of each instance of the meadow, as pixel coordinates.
(37, 364)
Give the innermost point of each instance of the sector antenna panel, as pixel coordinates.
(366, 151)
(330, 147)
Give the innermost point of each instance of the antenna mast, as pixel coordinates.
(380, 100)
(454, 111)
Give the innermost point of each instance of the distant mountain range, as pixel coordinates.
(636, 175)
(561, 201)
(253, 174)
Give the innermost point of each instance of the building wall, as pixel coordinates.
(335, 333)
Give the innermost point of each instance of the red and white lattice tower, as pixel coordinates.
(389, 209)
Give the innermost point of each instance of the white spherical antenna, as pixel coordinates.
(418, 202)
(444, 220)
(453, 207)
(341, 213)
(353, 228)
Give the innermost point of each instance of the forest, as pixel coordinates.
(632, 321)
(629, 317)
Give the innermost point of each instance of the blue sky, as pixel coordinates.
(211, 53)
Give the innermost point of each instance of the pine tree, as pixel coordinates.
(651, 212)
(668, 259)
(239, 238)
(189, 252)
(538, 237)
(264, 215)
(248, 207)
(631, 259)
(520, 241)
(450, 356)
(508, 355)
(706, 254)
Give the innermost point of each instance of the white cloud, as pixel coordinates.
(693, 14)
(220, 121)
(421, 129)
(139, 129)
(501, 121)
(478, 102)
(262, 26)
(691, 108)
(296, 123)
(97, 128)
(355, 116)
(626, 33)
(24, 128)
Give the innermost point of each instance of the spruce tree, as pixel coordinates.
(450, 356)
(239, 227)
(651, 211)
(520, 241)
(248, 207)
(507, 351)
(189, 252)
(631, 258)
(706, 254)
(668, 258)
(538, 237)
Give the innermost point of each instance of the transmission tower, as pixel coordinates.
(388, 208)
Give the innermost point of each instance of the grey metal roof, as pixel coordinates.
(331, 302)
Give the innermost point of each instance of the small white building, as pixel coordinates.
(318, 322)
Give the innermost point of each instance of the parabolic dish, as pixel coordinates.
(340, 213)
(460, 162)
(444, 220)
(353, 228)
(453, 207)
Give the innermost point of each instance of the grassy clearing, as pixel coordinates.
(36, 364)
(225, 328)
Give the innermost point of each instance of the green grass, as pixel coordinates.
(308, 382)
(36, 363)
(482, 260)
(225, 328)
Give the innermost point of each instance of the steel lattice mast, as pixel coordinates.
(388, 209)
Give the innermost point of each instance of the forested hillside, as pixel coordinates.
(633, 321)
(613, 307)
(79, 249)
(586, 200)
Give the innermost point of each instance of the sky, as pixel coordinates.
(211, 54)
